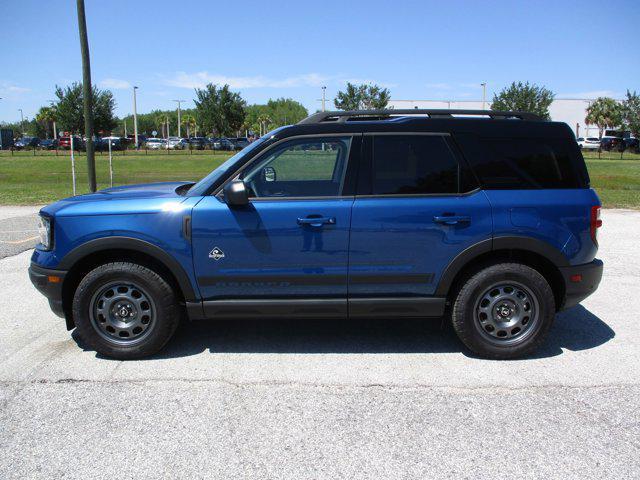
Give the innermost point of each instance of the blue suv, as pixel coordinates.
(481, 216)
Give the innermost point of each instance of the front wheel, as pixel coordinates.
(125, 311)
(504, 311)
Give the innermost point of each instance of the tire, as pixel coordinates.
(125, 311)
(504, 311)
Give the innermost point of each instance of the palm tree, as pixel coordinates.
(189, 122)
(264, 121)
(46, 116)
(604, 112)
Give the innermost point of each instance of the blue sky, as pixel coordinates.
(418, 49)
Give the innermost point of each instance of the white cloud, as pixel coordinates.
(366, 81)
(438, 86)
(115, 84)
(591, 94)
(9, 89)
(201, 79)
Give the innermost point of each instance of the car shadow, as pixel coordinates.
(575, 329)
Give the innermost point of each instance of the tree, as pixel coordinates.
(70, 113)
(631, 113)
(605, 112)
(188, 121)
(45, 117)
(220, 110)
(282, 111)
(362, 97)
(524, 97)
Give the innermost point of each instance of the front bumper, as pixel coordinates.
(580, 281)
(49, 283)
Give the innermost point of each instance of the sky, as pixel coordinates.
(417, 49)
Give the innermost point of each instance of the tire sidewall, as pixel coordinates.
(166, 309)
(465, 322)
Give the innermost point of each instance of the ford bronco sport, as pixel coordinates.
(485, 217)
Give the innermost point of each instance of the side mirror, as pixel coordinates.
(235, 194)
(268, 174)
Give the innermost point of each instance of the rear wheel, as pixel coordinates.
(125, 311)
(504, 311)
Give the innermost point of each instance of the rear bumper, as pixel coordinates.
(576, 291)
(43, 280)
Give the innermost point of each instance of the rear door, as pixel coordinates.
(417, 207)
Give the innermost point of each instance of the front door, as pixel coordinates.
(289, 246)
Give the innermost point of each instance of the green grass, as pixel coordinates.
(26, 179)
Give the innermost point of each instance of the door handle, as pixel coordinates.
(317, 221)
(452, 219)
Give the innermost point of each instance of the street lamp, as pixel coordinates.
(135, 117)
(484, 93)
(179, 102)
(324, 98)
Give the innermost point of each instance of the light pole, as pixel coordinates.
(135, 117)
(179, 102)
(21, 121)
(484, 94)
(324, 98)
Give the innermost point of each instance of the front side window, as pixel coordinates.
(413, 164)
(306, 167)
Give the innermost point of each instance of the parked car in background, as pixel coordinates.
(198, 143)
(26, 142)
(131, 139)
(240, 142)
(155, 143)
(631, 144)
(116, 143)
(589, 143)
(612, 144)
(48, 144)
(177, 143)
(222, 144)
(65, 143)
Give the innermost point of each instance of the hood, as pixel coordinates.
(144, 198)
(145, 190)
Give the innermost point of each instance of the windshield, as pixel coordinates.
(200, 187)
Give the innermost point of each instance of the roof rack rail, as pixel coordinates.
(343, 116)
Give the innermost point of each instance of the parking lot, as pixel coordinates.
(324, 399)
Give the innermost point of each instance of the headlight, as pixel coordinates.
(44, 229)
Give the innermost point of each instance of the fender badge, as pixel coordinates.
(216, 254)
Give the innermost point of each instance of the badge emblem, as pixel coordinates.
(216, 254)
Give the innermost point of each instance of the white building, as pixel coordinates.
(571, 111)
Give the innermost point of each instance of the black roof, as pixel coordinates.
(481, 122)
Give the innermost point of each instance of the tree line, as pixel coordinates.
(222, 112)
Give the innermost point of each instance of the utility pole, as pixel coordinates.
(324, 98)
(87, 94)
(135, 117)
(484, 94)
(125, 127)
(21, 121)
(179, 102)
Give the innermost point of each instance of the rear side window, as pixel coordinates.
(413, 164)
(526, 163)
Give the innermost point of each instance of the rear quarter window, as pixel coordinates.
(528, 163)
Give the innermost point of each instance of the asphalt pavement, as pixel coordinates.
(328, 399)
(18, 229)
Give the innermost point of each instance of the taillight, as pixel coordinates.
(596, 223)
